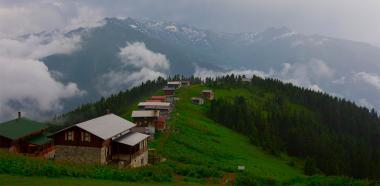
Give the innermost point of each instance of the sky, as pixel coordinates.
(348, 19)
(26, 84)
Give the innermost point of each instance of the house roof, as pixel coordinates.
(174, 83)
(145, 113)
(158, 97)
(160, 104)
(106, 126)
(196, 98)
(20, 127)
(206, 90)
(132, 138)
(40, 139)
(153, 100)
(168, 88)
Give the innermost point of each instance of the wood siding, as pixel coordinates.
(5, 142)
(59, 138)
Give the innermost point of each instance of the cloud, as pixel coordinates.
(137, 55)
(146, 65)
(368, 78)
(203, 73)
(309, 75)
(25, 82)
(24, 17)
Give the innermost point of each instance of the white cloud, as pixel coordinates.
(308, 75)
(39, 16)
(148, 65)
(203, 73)
(368, 78)
(137, 55)
(25, 81)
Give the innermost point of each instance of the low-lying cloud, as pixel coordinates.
(146, 65)
(25, 82)
(361, 87)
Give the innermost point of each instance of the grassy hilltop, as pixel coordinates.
(198, 151)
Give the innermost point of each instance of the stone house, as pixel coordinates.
(101, 140)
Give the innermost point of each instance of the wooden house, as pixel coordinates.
(102, 140)
(159, 98)
(169, 91)
(197, 101)
(208, 94)
(174, 84)
(185, 83)
(163, 107)
(25, 136)
(144, 118)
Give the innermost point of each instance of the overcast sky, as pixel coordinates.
(27, 85)
(349, 19)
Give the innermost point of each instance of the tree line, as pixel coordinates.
(332, 134)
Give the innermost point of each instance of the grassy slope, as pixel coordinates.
(200, 151)
(45, 181)
(198, 140)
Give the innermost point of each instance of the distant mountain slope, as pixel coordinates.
(337, 66)
(199, 149)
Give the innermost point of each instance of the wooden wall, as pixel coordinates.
(59, 139)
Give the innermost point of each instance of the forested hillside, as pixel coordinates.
(333, 135)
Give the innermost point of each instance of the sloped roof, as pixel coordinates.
(145, 113)
(132, 138)
(206, 90)
(106, 126)
(174, 83)
(20, 127)
(158, 97)
(161, 104)
(40, 139)
(168, 88)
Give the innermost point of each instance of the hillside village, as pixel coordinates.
(108, 139)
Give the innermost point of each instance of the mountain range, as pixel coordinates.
(340, 67)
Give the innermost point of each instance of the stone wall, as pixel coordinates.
(77, 154)
(141, 160)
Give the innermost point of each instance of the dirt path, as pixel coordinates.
(228, 179)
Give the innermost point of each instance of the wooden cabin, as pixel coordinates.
(169, 91)
(174, 84)
(208, 94)
(164, 107)
(158, 98)
(144, 118)
(153, 100)
(99, 141)
(25, 136)
(185, 83)
(197, 100)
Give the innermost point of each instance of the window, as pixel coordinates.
(85, 137)
(69, 136)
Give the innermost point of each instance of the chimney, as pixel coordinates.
(19, 114)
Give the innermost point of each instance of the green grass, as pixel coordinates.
(198, 151)
(7, 180)
(200, 143)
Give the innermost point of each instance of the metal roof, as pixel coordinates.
(206, 90)
(168, 88)
(19, 128)
(132, 138)
(174, 83)
(161, 104)
(40, 139)
(106, 126)
(196, 98)
(145, 113)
